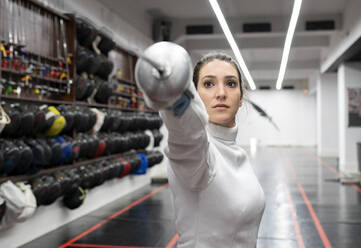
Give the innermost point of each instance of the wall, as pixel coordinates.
(351, 17)
(351, 32)
(51, 217)
(349, 76)
(327, 115)
(292, 110)
(130, 37)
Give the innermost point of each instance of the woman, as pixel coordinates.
(217, 197)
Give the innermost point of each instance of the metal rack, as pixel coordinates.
(59, 168)
(52, 57)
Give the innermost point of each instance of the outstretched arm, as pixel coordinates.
(188, 143)
(164, 75)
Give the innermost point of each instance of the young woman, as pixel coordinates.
(217, 198)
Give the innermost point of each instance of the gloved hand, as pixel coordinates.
(178, 107)
(183, 102)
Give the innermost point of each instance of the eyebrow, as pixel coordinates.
(211, 76)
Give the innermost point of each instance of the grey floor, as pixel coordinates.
(306, 206)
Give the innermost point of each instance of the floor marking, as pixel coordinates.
(300, 242)
(337, 173)
(173, 241)
(70, 242)
(109, 246)
(296, 226)
(315, 219)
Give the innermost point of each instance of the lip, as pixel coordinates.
(221, 106)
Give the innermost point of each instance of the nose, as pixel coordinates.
(221, 92)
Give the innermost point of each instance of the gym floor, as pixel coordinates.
(306, 206)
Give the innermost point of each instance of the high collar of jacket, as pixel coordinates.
(223, 133)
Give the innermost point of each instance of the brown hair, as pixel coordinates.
(217, 56)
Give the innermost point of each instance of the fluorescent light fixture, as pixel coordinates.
(289, 37)
(232, 43)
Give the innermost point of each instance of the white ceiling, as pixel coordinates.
(234, 8)
(263, 52)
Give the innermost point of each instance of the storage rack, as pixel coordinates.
(24, 96)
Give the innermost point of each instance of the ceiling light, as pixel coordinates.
(289, 37)
(232, 43)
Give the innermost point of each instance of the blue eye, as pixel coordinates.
(231, 84)
(208, 84)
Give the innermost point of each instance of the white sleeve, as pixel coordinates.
(188, 146)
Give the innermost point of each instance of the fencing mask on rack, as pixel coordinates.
(12, 127)
(30, 200)
(86, 31)
(58, 123)
(15, 203)
(74, 198)
(4, 119)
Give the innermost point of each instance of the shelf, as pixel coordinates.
(45, 57)
(33, 77)
(32, 54)
(30, 99)
(113, 107)
(62, 167)
(50, 101)
(124, 81)
(99, 105)
(126, 95)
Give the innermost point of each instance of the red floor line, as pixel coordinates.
(70, 242)
(339, 174)
(315, 219)
(283, 173)
(173, 241)
(108, 246)
(329, 167)
(292, 169)
(296, 226)
(356, 187)
(300, 242)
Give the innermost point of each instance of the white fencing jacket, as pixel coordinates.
(217, 198)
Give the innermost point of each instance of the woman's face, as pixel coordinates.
(219, 89)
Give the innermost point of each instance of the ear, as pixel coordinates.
(240, 102)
